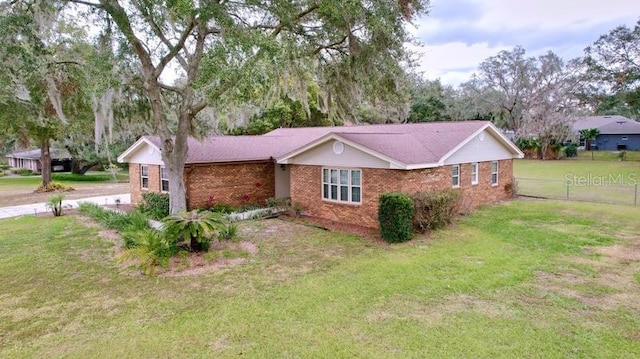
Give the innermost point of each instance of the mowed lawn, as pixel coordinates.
(597, 181)
(522, 279)
(17, 190)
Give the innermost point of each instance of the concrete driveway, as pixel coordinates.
(35, 208)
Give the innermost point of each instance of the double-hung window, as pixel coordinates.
(144, 177)
(164, 179)
(342, 185)
(455, 176)
(474, 173)
(494, 173)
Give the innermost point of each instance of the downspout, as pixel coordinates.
(187, 181)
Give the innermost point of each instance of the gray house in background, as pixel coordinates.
(60, 160)
(617, 133)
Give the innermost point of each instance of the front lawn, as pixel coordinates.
(597, 181)
(17, 190)
(523, 279)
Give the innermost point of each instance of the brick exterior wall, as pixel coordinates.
(306, 189)
(134, 181)
(234, 184)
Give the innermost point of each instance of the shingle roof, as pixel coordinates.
(608, 125)
(414, 143)
(620, 128)
(35, 154)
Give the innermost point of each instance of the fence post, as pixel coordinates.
(635, 194)
(567, 185)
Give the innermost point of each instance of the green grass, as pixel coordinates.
(524, 279)
(608, 155)
(611, 181)
(65, 178)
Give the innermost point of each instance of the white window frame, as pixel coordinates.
(494, 173)
(625, 138)
(474, 173)
(455, 176)
(335, 183)
(163, 173)
(144, 169)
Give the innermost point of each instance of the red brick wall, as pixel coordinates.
(306, 189)
(235, 184)
(134, 181)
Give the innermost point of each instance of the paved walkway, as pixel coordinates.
(35, 208)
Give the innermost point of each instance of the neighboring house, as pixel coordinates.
(336, 173)
(617, 133)
(60, 160)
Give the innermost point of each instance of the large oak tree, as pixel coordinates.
(221, 55)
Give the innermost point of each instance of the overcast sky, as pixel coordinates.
(459, 34)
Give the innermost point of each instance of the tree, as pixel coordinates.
(247, 51)
(429, 101)
(613, 63)
(589, 134)
(551, 106)
(504, 81)
(39, 73)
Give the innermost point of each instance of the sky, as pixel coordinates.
(457, 35)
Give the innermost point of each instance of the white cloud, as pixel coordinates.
(460, 34)
(554, 14)
(453, 62)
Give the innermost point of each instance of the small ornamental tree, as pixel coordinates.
(395, 214)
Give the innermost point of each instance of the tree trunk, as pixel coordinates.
(78, 169)
(174, 155)
(45, 161)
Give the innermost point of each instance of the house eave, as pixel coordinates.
(124, 157)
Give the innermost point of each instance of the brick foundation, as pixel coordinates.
(306, 189)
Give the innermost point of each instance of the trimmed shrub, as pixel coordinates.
(395, 214)
(435, 209)
(570, 150)
(72, 177)
(155, 205)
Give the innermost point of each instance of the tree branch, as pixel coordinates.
(87, 3)
(299, 16)
(174, 50)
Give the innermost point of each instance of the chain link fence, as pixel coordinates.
(596, 189)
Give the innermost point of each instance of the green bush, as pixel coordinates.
(395, 214)
(570, 150)
(435, 209)
(149, 249)
(223, 208)
(228, 232)
(72, 177)
(193, 229)
(24, 172)
(122, 222)
(155, 205)
(278, 202)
